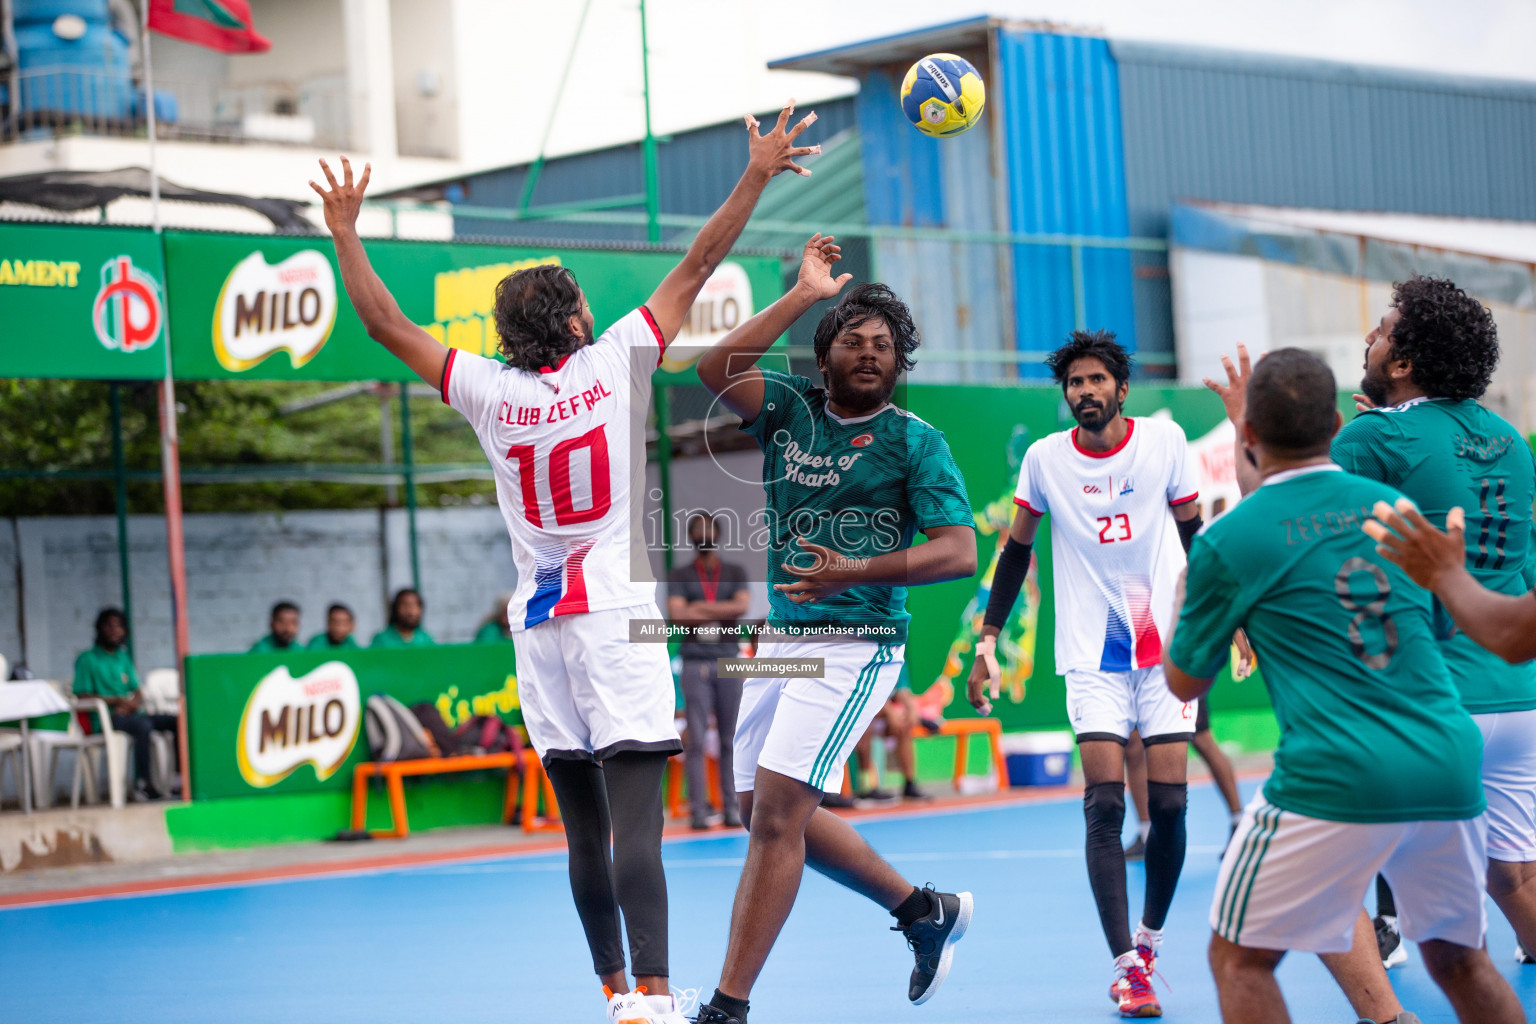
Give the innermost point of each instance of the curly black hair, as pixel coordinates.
(1101, 345)
(1448, 336)
(105, 616)
(863, 303)
(534, 307)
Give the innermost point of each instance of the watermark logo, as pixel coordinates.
(127, 313)
(265, 308)
(291, 722)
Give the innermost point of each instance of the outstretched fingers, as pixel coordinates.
(785, 115)
(346, 169)
(328, 175)
(362, 183)
(805, 122)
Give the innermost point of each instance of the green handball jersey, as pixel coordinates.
(862, 487)
(1371, 725)
(1442, 454)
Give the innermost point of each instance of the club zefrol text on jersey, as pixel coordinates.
(554, 412)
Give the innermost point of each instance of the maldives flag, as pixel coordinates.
(223, 25)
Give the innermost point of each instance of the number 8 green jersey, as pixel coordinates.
(1371, 725)
(1442, 454)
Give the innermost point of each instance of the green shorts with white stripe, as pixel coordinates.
(1298, 883)
(805, 725)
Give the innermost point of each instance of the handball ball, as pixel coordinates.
(943, 95)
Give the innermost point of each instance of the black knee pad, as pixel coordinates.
(1166, 801)
(1104, 810)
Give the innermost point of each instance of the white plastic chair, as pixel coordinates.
(47, 744)
(10, 751)
(162, 696)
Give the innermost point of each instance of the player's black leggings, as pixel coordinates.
(613, 817)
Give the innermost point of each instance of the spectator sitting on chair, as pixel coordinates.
(284, 629)
(496, 629)
(106, 671)
(338, 631)
(900, 717)
(709, 596)
(404, 629)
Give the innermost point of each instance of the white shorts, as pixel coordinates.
(807, 728)
(1293, 882)
(1108, 705)
(587, 693)
(1509, 783)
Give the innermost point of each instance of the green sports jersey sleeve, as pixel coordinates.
(1365, 448)
(782, 394)
(1212, 612)
(935, 488)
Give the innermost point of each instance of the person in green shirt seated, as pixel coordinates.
(404, 629)
(495, 629)
(284, 627)
(106, 671)
(339, 625)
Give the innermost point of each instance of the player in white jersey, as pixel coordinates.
(562, 423)
(1121, 494)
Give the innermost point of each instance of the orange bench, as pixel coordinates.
(392, 772)
(962, 729)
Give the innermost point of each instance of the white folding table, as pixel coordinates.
(21, 700)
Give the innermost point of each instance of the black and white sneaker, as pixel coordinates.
(711, 1014)
(1389, 942)
(1137, 851)
(932, 939)
(1521, 956)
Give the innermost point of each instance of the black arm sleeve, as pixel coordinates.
(1187, 530)
(1007, 581)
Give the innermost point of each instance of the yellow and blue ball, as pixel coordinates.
(943, 95)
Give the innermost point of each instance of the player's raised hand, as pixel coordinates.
(816, 267)
(342, 201)
(777, 151)
(1234, 393)
(1362, 403)
(828, 575)
(1425, 553)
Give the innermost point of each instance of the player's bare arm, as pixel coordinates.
(1233, 395)
(375, 306)
(1437, 560)
(729, 368)
(768, 155)
(1183, 685)
(949, 554)
(985, 674)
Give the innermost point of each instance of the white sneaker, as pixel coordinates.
(669, 1009)
(1521, 956)
(628, 1007)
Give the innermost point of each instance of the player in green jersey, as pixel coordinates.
(1422, 430)
(850, 478)
(1353, 667)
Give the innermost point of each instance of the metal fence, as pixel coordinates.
(47, 102)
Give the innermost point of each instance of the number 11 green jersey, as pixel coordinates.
(1371, 725)
(1444, 454)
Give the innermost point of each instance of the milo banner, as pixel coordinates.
(293, 722)
(81, 301)
(270, 307)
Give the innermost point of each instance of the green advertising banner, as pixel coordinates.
(293, 722)
(273, 307)
(81, 301)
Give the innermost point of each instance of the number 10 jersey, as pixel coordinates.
(566, 447)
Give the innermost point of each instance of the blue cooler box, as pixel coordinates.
(1038, 758)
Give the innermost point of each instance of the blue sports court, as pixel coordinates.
(492, 941)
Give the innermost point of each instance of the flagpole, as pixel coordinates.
(170, 445)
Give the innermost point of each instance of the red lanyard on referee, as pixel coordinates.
(711, 586)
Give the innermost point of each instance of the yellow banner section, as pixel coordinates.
(463, 301)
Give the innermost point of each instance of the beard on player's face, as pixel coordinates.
(863, 385)
(1093, 412)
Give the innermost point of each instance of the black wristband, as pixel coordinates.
(1187, 530)
(1007, 581)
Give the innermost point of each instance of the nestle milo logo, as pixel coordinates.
(289, 722)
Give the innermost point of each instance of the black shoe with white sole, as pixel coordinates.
(932, 939)
(709, 1014)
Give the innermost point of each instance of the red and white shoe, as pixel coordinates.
(628, 1007)
(1132, 987)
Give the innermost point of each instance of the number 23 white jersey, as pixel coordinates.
(1115, 549)
(566, 450)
